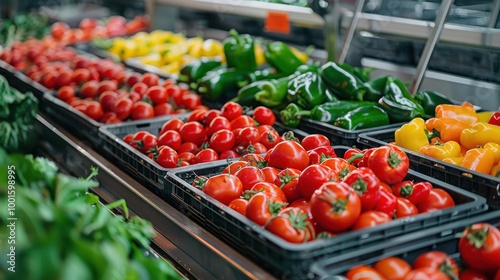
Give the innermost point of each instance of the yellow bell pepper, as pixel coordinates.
(302, 56)
(259, 54)
(495, 148)
(479, 135)
(441, 151)
(484, 116)
(211, 47)
(464, 112)
(412, 135)
(195, 47)
(447, 129)
(454, 160)
(495, 171)
(479, 159)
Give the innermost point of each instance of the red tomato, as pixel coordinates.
(367, 186)
(364, 272)
(233, 167)
(175, 94)
(147, 143)
(224, 188)
(222, 140)
(269, 189)
(438, 260)
(470, 274)
(122, 108)
(479, 247)
(197, 116)
(239, 205)
(190, 100)
(353, 155)
(387, 202)
(66, 93)
(371, 218)
(228, 154)
(65, 77)
(288, 154)
(49, 79)
(437, 199)
(241, 122)
(312, 178)
(288, 180)
(339, 166)
(248, 136)
(142, 110)
(393, 268)
(128, 138)
(139, 88)
(264, 115)
(231, 110)
(427, 273)
(405, 208)
(389, 163)
(157, 94)
(249, 176)
(150, 79)
(105, 86)
(186, 156)
(132, 78)
(193, 132)
(261, 208)
(167, 157)
(313, 141)
(270, 138)
(172, 124)
(94, 110)
(170, 138)
(293, 225)
(218, 123)
(188, 147)
(206, 155)
(414, 192)
(253, 159)
(57, 29)
(107, 100)
(163, 109)
(270, 173)
(327, 214)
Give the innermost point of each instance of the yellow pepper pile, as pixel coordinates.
(457, 135)
(164, 49)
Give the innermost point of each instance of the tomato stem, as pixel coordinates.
(355, 157)
(477, 237)
(360, 186)
(394, 160)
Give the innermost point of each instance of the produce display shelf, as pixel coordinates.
(409, 247)
(287, 260)
(19, 81)
(188, 246)
(479, 183)
(143, 168)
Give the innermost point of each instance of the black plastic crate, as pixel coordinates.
(484, 185)
(287, 260)
(337, 135)
(138, 164)
(20, 82)
(409, 247)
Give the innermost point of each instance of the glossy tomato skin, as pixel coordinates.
(288, 154)
(389, 163)
(223, 187)
(335, 206)
(486, 256)
(167, 157)
(188, 147)
(312, 178)
(172, 124)
(228, 154)
(222, 140)
(371, 218)
(436, 200)
(270, 138)
(206, 155)
(239, 205)
(170, 138)
(288, 179)
(270, 173)
(242, 122)
(249, 176)
(339, 166)
(393, 268)
(248, 136)
(405, 208)
(261, 208)
(150, 79)
(142, 110)
(366, 184)
(234, 166)
(387, 202)
(364, 272)
(123, 107)
(231, 110)
(313, 141)
(427, 273)
(264, 115)
(293, 225)
(269, 189)
(470, 274)
(218, 123)
(438, 260)
(193, 132)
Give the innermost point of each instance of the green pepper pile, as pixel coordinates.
(21, 27)
(17, 118)
(63, 232)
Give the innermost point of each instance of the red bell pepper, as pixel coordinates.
(414, 192)
(495, 119)
(320, 154)
(366, 184)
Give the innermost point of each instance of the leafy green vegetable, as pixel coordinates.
(17, 117)
(21, 27)
(62, 232)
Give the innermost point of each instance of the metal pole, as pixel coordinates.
(351, 30)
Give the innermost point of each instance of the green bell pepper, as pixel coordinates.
(266, 74)
(341, 82)
(246, 94)
(273, 92)
(291, 115)
(363, 74)
(280, 56)
(429, 100)
(239, 51)
(399, 103)
(373, 90)
(363, 117)
(196, 69)
(328, 112)
(307, 90)
(314, 67)
(222, 84)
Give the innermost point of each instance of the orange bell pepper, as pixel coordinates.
(495, 171)
(495, 148)
(441, 151)
(479, 159)
(464, 112)
(480, 134)
(447, 129)
(454, 160)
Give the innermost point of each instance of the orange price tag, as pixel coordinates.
(277, 22)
